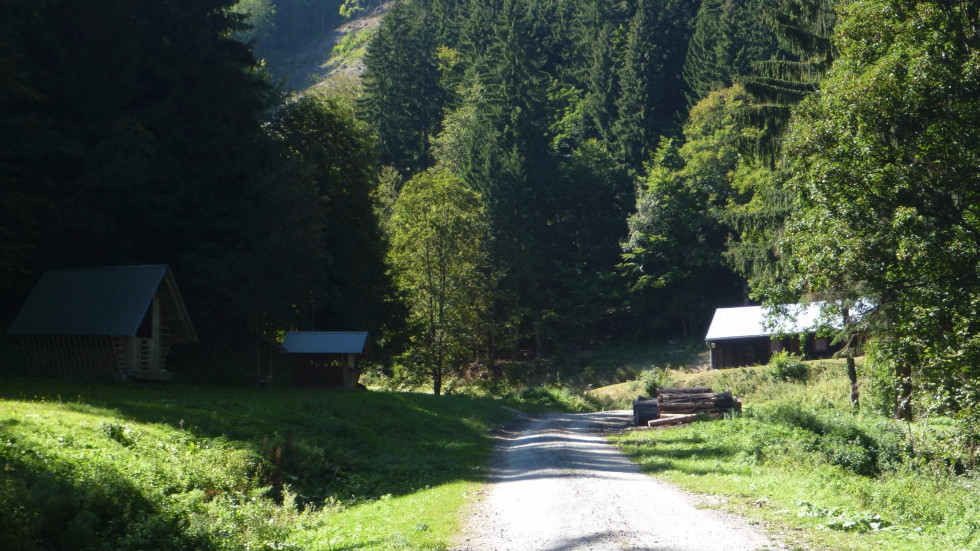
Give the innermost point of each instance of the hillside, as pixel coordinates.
(178, 467)
(337, 53)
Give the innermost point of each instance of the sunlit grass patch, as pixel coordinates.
(802, 462)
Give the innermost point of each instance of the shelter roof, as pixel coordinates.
(325, 342)
(758, 321)
(98, 301)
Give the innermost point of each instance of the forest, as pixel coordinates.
(512, 178)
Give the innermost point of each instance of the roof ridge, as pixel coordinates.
(95, 268)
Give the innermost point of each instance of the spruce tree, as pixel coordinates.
(641, 67)
(729, 36)
(803, 29)
(403, 99)
(653, 95)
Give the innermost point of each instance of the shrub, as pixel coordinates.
(655, 379)
(788, 367)
(878, 385)
(627, 373)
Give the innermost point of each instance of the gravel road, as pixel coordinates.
(556, 484)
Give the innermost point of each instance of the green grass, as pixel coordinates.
(824, 477)
(89, 466)
(621, 361)
(353, 47)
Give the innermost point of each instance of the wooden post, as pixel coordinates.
(155, 336)
(350, 372)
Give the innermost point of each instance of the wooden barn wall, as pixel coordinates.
(70, 356)
(759, 350)
(739, 352)
(317, 370)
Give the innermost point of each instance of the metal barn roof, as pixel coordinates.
(95, 301)
(325, 342)
(756, 321)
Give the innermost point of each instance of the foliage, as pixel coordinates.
(803, 29)
(336, 153)
(654, 379)
(260, 17)
(728, 38)
(403, 100)
(652, 61)
(438, 232)
(673, 258)
(354, 45)
(627, 373)
(786, 366)
(182, 467)
(886, 185)
(523, 101)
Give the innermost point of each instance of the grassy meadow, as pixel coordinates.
(801, 462)
(92, 466)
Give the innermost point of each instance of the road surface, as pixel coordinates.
(556, 484)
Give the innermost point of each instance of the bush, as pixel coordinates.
(788, 367)
(627, 373)
(861, 445)
(878, 385)
(655, 379)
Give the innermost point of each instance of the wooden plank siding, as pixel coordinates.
(71, 355)
(323, 370)
(741, 352)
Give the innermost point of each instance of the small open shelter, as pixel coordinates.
(115, 321)
(325, 358)
(750, 335)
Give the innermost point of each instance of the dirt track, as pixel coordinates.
(556, 484)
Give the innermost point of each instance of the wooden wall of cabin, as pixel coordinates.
(71, 355)
(317, 370)
(759, 350)
(739, 352)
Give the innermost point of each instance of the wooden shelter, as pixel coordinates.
(325, 358)
(114, 321)
(750, 335)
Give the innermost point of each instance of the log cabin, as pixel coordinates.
(117, 321)
(750, 335)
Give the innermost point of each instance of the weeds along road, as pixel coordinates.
(556, 484)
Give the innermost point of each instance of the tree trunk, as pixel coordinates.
(853, 377)
(437, 382)
(903, 402)
(538, 340)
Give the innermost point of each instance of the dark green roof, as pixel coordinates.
(325, 342)
(94, 301)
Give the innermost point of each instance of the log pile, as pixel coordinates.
(696, 400)
(645, 410)
(682, 405)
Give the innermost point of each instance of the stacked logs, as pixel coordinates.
(696, 400)
(645, 410)
(682, 405)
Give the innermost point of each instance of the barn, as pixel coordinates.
(325, 358)
(750, 335)
(115, 321)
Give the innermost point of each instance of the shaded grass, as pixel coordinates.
(181, 467)
(619, 361)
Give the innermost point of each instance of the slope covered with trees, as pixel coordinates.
(144, 133)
